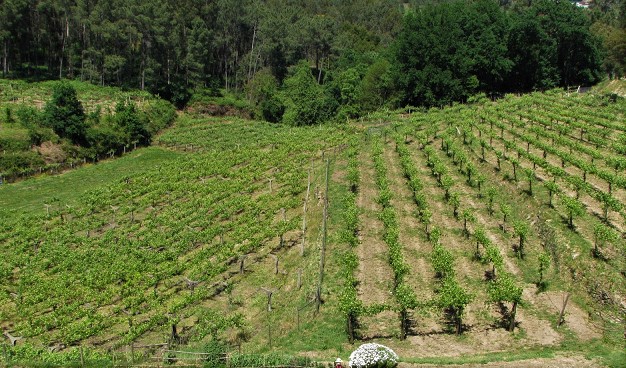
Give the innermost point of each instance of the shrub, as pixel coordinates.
(373, 355)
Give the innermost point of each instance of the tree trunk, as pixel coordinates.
(403, 324)
(5, 63)
(350, 328)
(251, 53)
(561, 320)
(513, 311)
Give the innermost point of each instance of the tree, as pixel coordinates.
(491, 195)
(65, 115)
(448, 51)
(306, 102)
(574, 209)
(544, 264)
(520, 229)
(493, 256)
(454, 299)
(407, 300)
(376, 87)
(553, 188)
(262, 91)
(129, 119)
(506, 212)
(468, 216)
(602, 234)
(504, 289)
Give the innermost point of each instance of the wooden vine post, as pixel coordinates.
(306, 200)
(562, 314)
(318, 294)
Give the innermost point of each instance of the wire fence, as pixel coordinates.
(154, 355)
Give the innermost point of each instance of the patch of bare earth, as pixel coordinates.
(556, 362)
(575, 318)
(374, 273)
(415, 249)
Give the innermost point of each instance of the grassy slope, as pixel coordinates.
(29, 196)
(320, 336)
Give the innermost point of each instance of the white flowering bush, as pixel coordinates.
(373, 355)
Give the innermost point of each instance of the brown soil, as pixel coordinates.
(415, 249)
(575, 318)
(374, 273)
(556, 362)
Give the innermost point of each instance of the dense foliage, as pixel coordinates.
(75, 124)
(361, 55)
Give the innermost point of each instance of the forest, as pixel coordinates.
(362, 54)
(295, 62)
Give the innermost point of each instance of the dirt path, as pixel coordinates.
(556, 362)
(415, 249)
(374, 273)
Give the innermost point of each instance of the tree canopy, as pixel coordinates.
(363, 54)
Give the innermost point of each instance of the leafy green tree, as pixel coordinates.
(553, 188)
(468, 216)
(491, 195)
(544, 265)
(306, 102)
(262, 91)
(463, 51)
(602, 234)
(376, 86)
(65, 115)
(407, 300)
(574, 209)
(534, 55)
(198, 56)
(521, 229)
(551, 45)
(129, 119)
(455, 299)
(504, 289)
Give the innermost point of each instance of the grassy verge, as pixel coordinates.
(29, 196)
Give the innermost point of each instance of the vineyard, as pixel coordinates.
(493, 230)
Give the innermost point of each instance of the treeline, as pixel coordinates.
(361, 54)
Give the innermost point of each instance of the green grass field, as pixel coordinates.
(31, 196)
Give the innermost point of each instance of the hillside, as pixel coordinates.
(185, 241)
(31, 144)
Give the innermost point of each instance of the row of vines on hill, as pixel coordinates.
(179, 227)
